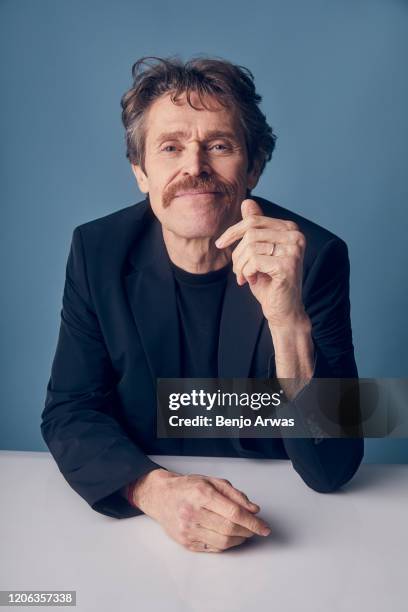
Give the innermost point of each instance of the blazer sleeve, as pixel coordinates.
(93, 452)
(325, 464)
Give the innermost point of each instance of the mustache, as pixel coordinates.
(198, 184)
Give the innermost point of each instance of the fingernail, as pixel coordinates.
(266, 531)
(218, 243)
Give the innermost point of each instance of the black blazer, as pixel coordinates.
(119, 332)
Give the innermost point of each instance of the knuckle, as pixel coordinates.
(252, 250)
(292, 225)
(234, 513)
(203, 490)
(224, 481)
(229, 529)
(255, 526)
(244, 495)
(299, 238)
(191, 480)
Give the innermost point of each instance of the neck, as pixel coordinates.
(196, 255)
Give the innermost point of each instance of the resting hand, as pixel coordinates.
(202, 513)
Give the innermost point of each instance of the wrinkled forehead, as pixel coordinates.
(164, 115)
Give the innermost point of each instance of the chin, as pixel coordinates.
(196, 223)
(197, 230)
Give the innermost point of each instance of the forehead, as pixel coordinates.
(165, 115)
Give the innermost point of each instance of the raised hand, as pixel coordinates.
(269, 255)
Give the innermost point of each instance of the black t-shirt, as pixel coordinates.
(199, 304)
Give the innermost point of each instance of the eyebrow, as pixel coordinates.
(182, 134)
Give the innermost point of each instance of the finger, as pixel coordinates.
(237, 514)
(273, 266)
(262, 243)
(278, 267)
(256, 240)
(268, 234)
(217, 540)
(216, 522)
(225, 487)
(247, 267)
(250, 207)
(263, 236)
(235, 232)
(241, 257)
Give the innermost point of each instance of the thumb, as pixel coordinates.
(250, 207)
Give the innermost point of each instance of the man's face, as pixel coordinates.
(194, 150)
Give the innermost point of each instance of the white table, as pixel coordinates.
(337, 552)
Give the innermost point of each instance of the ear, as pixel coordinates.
(253, 175)
(141, 178)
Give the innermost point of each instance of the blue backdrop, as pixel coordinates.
(335, 88)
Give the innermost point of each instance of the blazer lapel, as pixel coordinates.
(151, 293)
(241, 322)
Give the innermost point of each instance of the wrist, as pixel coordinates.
(294, 352)
(143, 489)
(296, 326)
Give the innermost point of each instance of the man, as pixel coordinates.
(198, 280)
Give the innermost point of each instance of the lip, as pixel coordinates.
(184, 193)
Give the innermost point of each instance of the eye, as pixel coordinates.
(223, 147)
(168, 147)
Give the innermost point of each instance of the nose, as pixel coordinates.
(195, 161)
